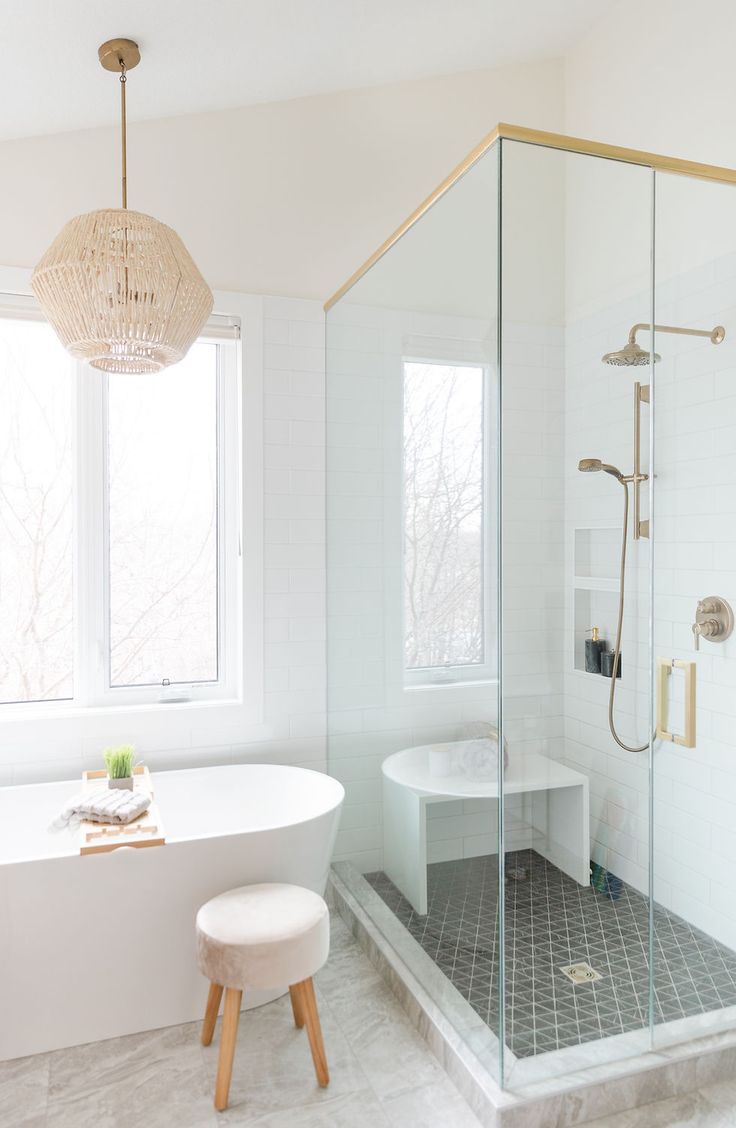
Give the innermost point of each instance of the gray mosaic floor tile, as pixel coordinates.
(552, 921)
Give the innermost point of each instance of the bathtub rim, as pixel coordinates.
(333, 784)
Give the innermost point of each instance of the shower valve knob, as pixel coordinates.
(713, 620)
(708, 628)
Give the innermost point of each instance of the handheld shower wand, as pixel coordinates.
(589, 466)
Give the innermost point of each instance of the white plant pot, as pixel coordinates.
(125, 784)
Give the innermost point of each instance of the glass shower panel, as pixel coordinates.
(576, 254)
(695, 583)
(411, 590)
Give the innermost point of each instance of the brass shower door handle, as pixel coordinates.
(665, 667)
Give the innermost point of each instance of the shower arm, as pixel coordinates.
(715, 335)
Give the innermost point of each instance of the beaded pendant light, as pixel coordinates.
(118, 286)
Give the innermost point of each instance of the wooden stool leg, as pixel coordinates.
(305, 991)
(230, 1020)
(296, 1007)
(210, 1014)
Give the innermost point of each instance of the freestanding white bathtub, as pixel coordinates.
(102, 945)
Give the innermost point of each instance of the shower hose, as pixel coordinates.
(617, 656)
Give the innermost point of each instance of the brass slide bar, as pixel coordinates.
(549, 141)
(641, 395)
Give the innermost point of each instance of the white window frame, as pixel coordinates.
(483, 673)
(237, 700)
(92, 575)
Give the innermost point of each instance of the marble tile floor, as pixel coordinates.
(383, 1073)
(713, 1106)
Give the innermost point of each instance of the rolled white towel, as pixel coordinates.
(478, 759)
(108, 806)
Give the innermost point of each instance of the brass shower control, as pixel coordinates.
(713, 620)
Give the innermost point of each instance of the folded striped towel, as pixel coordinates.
(105, 806)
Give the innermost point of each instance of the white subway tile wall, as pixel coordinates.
(371, 712)
(598, 424)
(695, 531)
(695, 509)
(562, 531)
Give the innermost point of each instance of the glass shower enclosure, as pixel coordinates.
(531, 563)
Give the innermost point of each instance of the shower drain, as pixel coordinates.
(580, 973)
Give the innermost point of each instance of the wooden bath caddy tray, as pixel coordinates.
(146, 830)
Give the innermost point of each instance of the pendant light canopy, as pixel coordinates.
(119, 287)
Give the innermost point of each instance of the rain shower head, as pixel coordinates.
(631, 355)
(591, 465)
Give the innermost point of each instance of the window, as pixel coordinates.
(162, 504)
(445, 514)
(36, 515)
(119, 523)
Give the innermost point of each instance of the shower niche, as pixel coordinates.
(474, 367)
(593, 608)
(594, 589)
(596, 554)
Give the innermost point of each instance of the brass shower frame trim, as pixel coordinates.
(549, 141)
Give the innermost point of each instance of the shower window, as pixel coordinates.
(119, 523)
(446, 636)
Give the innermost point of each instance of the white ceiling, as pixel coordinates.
(213, 54)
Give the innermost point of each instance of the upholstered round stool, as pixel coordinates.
(262, 936)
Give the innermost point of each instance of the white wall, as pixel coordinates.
(657, 76)
(286, 198)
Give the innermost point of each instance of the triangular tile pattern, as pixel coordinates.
(552, 921)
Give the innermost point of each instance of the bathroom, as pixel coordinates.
(368, 651)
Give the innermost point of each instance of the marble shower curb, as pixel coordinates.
(463, 1048)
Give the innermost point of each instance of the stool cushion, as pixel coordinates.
(263, 936)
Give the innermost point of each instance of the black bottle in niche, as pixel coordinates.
(607, 658)
(594, 647)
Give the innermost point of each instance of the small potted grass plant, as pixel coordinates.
(119, 762)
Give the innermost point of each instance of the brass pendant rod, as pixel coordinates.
(120, 56)
(123, 83)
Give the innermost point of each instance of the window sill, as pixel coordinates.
(474, 683)
(49, 734)
(55, 711)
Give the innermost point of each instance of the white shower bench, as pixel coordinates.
(414, 778)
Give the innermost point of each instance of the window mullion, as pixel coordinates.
(229, 527)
